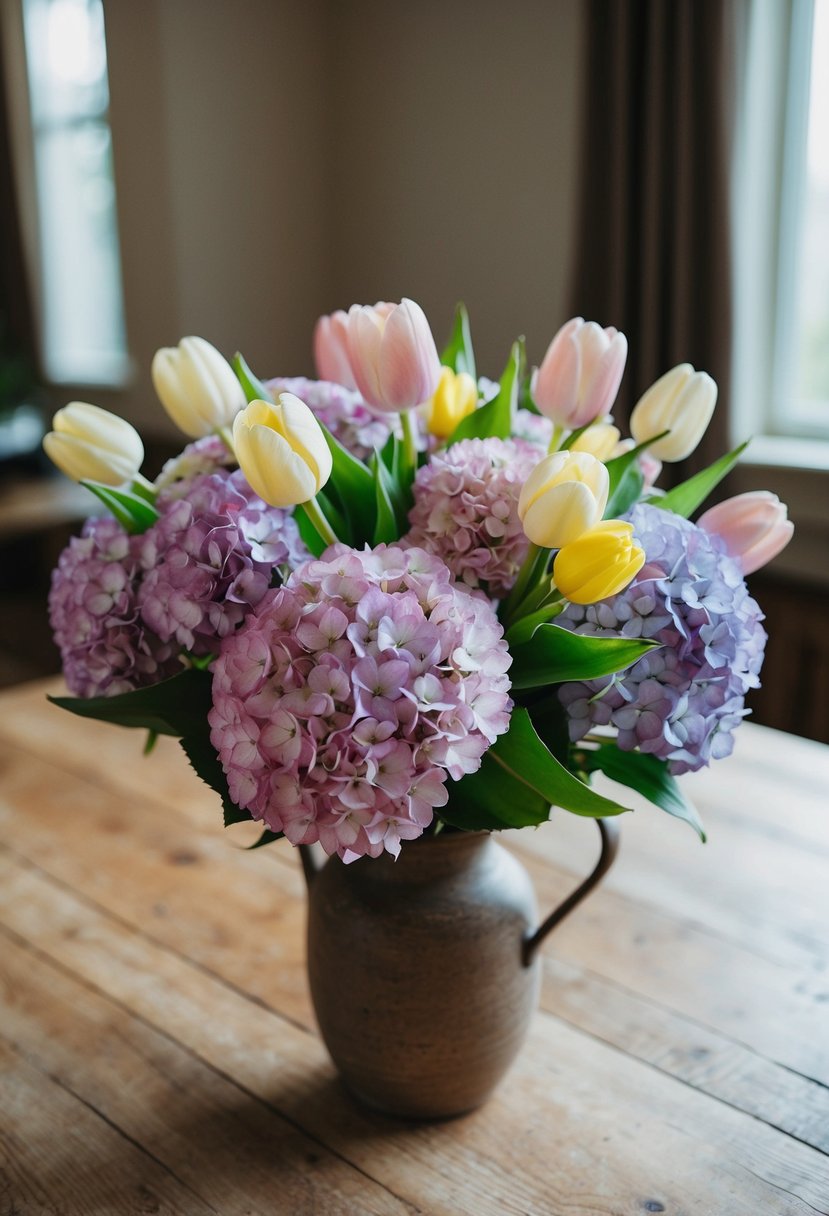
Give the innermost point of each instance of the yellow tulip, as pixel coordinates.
(600, 563)
(600, 440)
(87, 442)
(564, 495)
(281, 450)
(454, 398)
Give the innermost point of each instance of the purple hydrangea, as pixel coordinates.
(204, 455)
(466, 510)
(356, 425)
(680, 702)
(105, 646)
(350, 693)
(210, 559)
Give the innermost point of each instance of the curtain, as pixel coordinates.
(653, 248)
(17, 328)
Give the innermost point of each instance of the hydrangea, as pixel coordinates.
(680, 702)
(105, 646)
(205, 455)
(466, 510)
(349, 695)
(210, 558)
(359, 428)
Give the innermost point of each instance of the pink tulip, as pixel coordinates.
(393, 355)
(754, 527)
(579, 377)
(331, 349)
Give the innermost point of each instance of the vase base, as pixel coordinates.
(405, 1112)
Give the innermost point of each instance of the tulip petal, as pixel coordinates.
(273, 469)
(409, 367)
(365, 334)
(556, 384)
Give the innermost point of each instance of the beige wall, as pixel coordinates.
(275, 159)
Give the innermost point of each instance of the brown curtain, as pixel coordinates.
(653, 249)
(17, 329)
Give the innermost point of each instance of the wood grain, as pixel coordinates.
(156, 1023)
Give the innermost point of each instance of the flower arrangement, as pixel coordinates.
(404, 599)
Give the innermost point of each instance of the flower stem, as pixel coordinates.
(407, 421)
(314, 512)
(226, 436)
(513, 600)
(143, 487)
(555, 438)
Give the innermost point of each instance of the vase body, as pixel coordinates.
(419, 974)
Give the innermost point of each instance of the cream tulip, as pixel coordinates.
(564, 495)
(682, 402)
(197, 387)
(281, 450)
(88, 443)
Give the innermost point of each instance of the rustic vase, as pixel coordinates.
(424, 971)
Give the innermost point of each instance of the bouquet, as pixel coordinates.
(406, 599)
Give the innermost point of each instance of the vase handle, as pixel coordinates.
(609, 831)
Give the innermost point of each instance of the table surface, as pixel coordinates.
(159, 1052)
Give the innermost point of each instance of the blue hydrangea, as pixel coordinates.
(680, 702)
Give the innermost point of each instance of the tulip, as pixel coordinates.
(393, 355)
(331, 349)
(281, 450)
(580, 374)
(564, 495)
(197, 387)
(599, 563)
(600, 440)
(88, 443)
(682, 402)
(455, 397)
(754, 527)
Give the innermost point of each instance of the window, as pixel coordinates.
(83, 317)
(781, 226)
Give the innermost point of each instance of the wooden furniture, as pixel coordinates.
(159, 1053)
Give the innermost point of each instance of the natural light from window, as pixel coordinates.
(83, 317)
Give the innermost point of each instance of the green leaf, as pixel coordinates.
(252, 387)
(354, 483)
(685, 498)
(523, 629)
(517, 783)
(150, 742)
(308, 532)
(206, 764)
(458, 353)
(178, 706)
(573, 436)
(649, 776)
(496, 417)
(385, 529)
(267, 837)
(554, 654)
(133, 512)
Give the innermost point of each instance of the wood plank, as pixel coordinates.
(60, 1158)
(131, 864)
(739, 886)
(577, 1126)
(228, 1147)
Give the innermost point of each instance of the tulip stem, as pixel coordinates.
(143, 487)
(226, 436)
(525, 574)
(314, 512)
(407, 421)
(555, 438)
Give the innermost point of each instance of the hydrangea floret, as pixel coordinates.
(350, 694)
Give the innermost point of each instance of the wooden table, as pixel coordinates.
(159, 1053)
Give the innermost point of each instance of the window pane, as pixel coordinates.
(812, 302)
(66, 56)
(83, 321)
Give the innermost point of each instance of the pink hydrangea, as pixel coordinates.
(105, 646)
(349, 695)
(210, 559)
(466, 510)
(204, 455)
